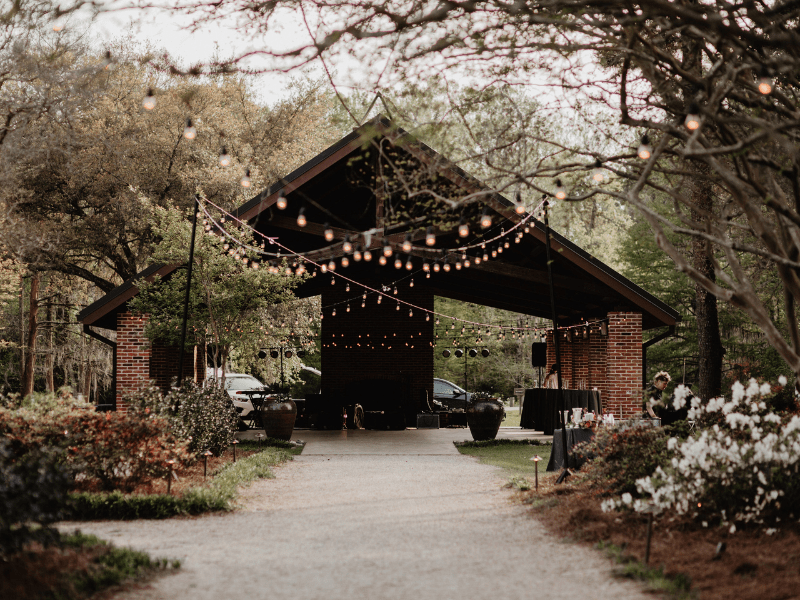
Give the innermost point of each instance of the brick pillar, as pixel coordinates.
(624, 367)
(598, 377)
(133, 356)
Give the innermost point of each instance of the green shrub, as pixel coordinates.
(204, 417)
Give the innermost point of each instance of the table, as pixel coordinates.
(574, 436)
(541, 404)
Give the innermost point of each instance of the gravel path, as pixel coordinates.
(349, 526)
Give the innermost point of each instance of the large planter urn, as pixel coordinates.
(278, 417)
(484, 416)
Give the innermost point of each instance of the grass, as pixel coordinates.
(218, 496)
(512, 419)
(677, 587)
(514, 456)
(75, 567)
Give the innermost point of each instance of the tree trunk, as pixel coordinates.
(87, 381)
(33, 325)
(50, 358)
(709, 341)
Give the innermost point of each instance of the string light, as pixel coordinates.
(430, 237)
(436, 267)
(245, 180)
(347, 247)
(382, 260)
(645, 150)
(331, 266)
(426, 267)
(189, 132)
(463, 228)
(357, 253)
(345, 262)
(328, 233)
(367, 255)
(282, 202)
(597, 171)
(407, 243)
(149, 102)
(409, 264)
(301, 217)
(764, 82)
(387, 248)
(520, 207)
(380, 297)
(398, 264)
(692, 121)
(411, 283)
(347, 287)
(224, 157)
(486, 219)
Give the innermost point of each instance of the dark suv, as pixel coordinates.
(449, 394)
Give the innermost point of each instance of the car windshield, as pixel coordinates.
(242, 383)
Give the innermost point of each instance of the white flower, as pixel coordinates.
(672, 443)
(782, 380)
(765, 389)
(627, 498)
(732, 530)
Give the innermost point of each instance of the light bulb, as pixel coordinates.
(494, 253)
(520, 208)
(409, 265)
(348, 307)
(394, 291)
(463, 228)
(245, 180)
(357, 254)
(520, 205)
(426, 267)
(387, 248)
(486, 220)
(345, 261)
(333, 312)
(331, 266)
(224, 157)
(446, 267)
(347, 247)
(458, 265)
(189, 132)
(692, 121)
(282, 202)
(58, 26)
(561, 193)
(597, 171)
(149, 102)
(410, 312)
(398, 306)
(436, 267)
(323, 267)
(411, 283)
(347, 287)
(506, 244)
(765, 82)
(367, 255)
(485, 255)
(398, 264)
(427, 316)
(466, 264)
(301, 217)
(328, 233)
(407, 243)
(477, 260)
(645, 150)
(382, 260)
(380, 297)
(430, 237)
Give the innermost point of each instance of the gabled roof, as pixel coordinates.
(337, 190)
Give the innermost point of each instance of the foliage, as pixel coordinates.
(114, 450)
(204, 418)
(740, 469)
(217, 497)
(33, 494)
(677, 586)
(512, 455)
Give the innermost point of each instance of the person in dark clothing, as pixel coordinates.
(653, 401)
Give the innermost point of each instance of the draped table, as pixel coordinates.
(540, 406)
(574, 436)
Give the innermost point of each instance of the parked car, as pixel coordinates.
(238, 385)
(449, 394)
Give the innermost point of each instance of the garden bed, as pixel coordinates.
(753, 566)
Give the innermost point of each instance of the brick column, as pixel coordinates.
(133, 356)
(624, 367)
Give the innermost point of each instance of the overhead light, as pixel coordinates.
(407, 243)
(409, 264)
(357, 253)
(764, 81)
(463, 228)
(347, 247)
(486, 220)
(597, 171)
(367, 255)
(224, 157)
(149, 102)
(301, 217)
(459, 353)
(645, 150)
(561, 192)
(189, 132)
(430, 238)
(446, 353)
(328, 233)
(387, 248)
(692, 121)
(245, 180)
(282, 202)
(345, 261)
(398, 264)
(473, 352)
(520, 207)
(485, 352)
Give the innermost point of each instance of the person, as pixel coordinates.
(551, 381)
(653, 395)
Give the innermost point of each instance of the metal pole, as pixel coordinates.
(560, 402)
(465, 369)
(188, 289)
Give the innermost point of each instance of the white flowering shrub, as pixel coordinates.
(741, 466)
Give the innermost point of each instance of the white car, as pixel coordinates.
(238, 385)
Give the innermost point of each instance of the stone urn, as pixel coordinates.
(484, 415)
(277, 416)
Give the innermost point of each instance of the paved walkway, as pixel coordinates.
(373, 516)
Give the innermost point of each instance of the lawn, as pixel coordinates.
(512, 419)
(512, 455)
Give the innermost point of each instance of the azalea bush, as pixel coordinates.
(740, 467)
(204, 417)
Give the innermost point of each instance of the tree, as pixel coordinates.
(731, 69)
(229, 289)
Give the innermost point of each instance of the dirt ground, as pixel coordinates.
(754, 565)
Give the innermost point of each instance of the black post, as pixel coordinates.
(188, 289)
(465, 369)
(560, 402)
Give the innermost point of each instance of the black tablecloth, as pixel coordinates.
(539, 408)
(574, 436)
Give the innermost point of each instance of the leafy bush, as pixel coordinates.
(742, 468)
(113, 450)
(33, 493)
(205, 417)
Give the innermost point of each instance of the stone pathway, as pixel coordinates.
(370, 515)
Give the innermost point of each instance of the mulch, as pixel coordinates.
(753, 566)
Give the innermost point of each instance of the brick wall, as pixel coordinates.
(624, 364)
(611, 364)
(133, 356)
(164, 365)
(377, 341)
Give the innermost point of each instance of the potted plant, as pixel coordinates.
(484, 415)
(278, 415)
